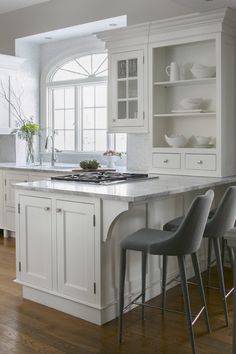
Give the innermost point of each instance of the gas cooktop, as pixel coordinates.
(106, 177)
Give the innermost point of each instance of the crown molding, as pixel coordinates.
(221, 20)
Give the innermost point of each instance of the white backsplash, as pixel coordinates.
(137, 152)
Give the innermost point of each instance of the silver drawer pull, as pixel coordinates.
(58, 210)
(199, 162)
(46, 208)
(165, 161)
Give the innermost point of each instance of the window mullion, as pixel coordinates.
(81, 119)
(94, 119)
(77, 118)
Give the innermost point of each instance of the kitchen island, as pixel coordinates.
(68, 236)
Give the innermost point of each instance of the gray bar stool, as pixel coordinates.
(221, 220)
(185, 241)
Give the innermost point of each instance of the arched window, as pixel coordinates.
(77, 105)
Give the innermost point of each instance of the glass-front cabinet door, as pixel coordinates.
(127, 89)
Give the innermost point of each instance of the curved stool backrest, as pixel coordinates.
(188, 236)
(224, 216)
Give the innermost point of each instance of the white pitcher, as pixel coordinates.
(172, 71)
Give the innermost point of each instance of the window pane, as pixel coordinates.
(101, 95)
(59, 119)
(88, 118)
(101, 140)
(69, 98)
(59, 140)
(122, 110)
(99, 62)
(69, 140)
(88, 140)
(85, 63)
(101, 118)
(58, 98)
(88, 96)
(69, 119)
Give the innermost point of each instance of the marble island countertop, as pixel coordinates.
(136, 191)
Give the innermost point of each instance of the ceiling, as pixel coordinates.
(190, 5)
(11, 5)
(205, 5)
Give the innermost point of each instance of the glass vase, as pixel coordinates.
(111, 161)
(30, 150)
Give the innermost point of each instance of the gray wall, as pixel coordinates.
(57, 14)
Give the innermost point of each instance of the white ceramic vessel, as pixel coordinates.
(176, 140)
(202, 71)
(191, 103)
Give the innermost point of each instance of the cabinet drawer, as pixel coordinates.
(166, 160)
(200, 162)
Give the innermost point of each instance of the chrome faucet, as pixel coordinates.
(53, 150)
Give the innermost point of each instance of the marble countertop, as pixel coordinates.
(136, 191)
(59, 167)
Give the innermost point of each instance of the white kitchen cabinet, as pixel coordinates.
(127, 90)
(127, 80)
(56, 246)
(7, 192)
(12, 178)
(75, 249)
(208, 40)
(1, 200)
(35, 264)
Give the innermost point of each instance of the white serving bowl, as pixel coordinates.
(191, 103)
(203, 140)
(176, 140)
(202, 71)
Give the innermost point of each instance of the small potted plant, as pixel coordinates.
(111, 156)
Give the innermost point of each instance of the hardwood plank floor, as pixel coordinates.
(28, 328)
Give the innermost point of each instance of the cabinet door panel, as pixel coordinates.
(2, 221)
(36, 241)
(11, 179)
(75, 240)
(127, 89)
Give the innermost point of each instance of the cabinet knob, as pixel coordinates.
(58, 210)
(199, 162)
(46, 208)
(165, 161)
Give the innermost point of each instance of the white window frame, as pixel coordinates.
(46, 100)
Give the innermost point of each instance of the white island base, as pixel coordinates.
(68, 236)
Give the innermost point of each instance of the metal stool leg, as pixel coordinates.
(144, 268)
(164, 276)
(231, 257)
(216, 243)
(121, 292)
(186, 300)
(201, 290)
(209, 261)
(223, 251)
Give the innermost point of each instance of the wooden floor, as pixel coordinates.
(27, 327)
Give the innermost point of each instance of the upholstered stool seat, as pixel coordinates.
(185, 241)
